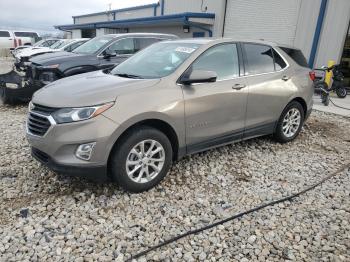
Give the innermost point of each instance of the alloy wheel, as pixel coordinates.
(291, 122)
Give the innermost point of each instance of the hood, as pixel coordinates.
(65, 60)
(32, 51)
(88, 89)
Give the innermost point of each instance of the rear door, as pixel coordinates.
(6, 40)
(268, 76)
(215, 112)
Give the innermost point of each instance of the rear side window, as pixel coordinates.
(141, 43)
(296, 55)
(279, 62)
(221, 59)
(26, 34)
(259, 59)
(4, 34)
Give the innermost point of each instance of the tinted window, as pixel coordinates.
(123, 46)
(279, 62)
(26, 34)
(4, 34)
(141, 43)
(259, 59)
(222, 59)
(296, 55)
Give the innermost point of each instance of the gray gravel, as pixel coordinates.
(45, 216)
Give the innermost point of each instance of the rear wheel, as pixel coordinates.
(290, 122)
(341, 92)
(141, 160)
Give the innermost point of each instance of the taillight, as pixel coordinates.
(20, 42)
(312, 75)
(15, 42)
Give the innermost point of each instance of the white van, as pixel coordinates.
(12, 39)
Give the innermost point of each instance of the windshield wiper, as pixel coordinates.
(129, 76)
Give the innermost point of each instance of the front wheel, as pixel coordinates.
(341, 92)
(141, 159)
(290, 123)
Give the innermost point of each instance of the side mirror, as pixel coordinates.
(198, 76)
(109, 53)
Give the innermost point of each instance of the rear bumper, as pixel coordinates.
(94, 173)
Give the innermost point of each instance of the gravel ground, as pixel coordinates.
(45, 216)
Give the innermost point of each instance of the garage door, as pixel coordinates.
(272, 20)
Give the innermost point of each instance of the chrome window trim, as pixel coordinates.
(48, 117)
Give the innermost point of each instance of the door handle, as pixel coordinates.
(238, 86)
(285, 78)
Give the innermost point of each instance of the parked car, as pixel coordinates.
(99, 53)
(41, 43)
(11, 39)
(68, 45)
(172, 99)
(102, 52)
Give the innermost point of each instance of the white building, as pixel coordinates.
(318, 27)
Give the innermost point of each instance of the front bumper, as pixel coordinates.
(57, 147)
(95, 173)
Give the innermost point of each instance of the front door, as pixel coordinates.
(215, 112)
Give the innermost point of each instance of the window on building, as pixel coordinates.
(4, 34)
(279, 62)
(222, 59)
(259, 59)
(123, 46)
(296, 55)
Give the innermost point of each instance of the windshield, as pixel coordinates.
(39, 43)
(158, 60)
(93, 45)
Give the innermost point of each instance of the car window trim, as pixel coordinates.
(266, 73)
(226, 79)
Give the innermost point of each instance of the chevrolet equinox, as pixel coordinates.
(171, 99)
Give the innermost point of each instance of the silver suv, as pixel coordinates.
(170, 99)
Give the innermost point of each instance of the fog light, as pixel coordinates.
(84, 151)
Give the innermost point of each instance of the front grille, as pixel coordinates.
(41, 156)
(38, 125)
(43, 109)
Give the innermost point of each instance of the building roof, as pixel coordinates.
(182, 18)
(120, 10)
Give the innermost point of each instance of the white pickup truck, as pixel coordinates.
(11, 39)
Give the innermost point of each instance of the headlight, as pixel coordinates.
(67, 115)
(50, 66)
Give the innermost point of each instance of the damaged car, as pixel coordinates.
(102, 52)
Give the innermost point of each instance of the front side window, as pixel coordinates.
(222, 59)
(4, 34)
(26, 34)
(122, 47)
(259, 59)
(94, 45)
(156, 61)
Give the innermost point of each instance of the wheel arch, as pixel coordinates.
(156, 123)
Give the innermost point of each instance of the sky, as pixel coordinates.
(42, 15)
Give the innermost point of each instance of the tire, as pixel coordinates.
(280, 135)
(123, 153)
(341, 92)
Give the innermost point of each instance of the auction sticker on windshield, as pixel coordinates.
(183, 49)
